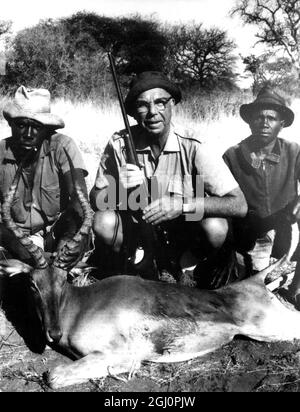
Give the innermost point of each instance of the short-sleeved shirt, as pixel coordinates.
(268, 184)
(182, 158)
(36, 209)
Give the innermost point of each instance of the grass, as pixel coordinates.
(214, 118)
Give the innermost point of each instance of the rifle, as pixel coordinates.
(129, 145)
(159, 245)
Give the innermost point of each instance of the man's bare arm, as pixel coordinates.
(232, 204)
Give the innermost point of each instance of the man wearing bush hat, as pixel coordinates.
(45, 190)
(267, 169)
(168, 156)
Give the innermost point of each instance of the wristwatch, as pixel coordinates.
(186, 208)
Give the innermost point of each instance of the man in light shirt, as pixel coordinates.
(195, 191)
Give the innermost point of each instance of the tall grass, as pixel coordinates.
(215, 119)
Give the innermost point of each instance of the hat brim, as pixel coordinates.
(246, 111)
(149, 84)
(12, 111)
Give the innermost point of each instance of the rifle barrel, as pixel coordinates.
(130, 149)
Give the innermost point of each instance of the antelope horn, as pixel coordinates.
(71, 246)
(34, 251)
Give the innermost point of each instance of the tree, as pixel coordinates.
(144, 44)
(45, 56)
(5, 26)
(38, 56)
(278, 23)
(267, 69)
(200, 56)
(69, 55)
(137, 43)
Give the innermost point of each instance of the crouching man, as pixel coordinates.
(45, 207)
(195, 217)
(267, 169)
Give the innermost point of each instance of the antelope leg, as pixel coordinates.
(93, 366)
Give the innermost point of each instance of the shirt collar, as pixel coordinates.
(273, 157)
(142, 145)
(46, 148)
(172, 144)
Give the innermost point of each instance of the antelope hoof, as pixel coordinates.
(61, 376)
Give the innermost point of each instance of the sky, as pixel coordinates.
(25, 13)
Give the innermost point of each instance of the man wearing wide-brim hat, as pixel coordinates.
(45, 207)
(267, 169)
(171, 160)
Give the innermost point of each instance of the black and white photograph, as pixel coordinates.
(150, 198)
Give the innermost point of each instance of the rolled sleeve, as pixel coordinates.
(71, 148)
(217, 177)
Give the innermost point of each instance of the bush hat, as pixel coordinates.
(146, 81)
(267, 98)
(33, 104)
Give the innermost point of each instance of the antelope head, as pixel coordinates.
(47, 279)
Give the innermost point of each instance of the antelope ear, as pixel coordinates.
(12, 267)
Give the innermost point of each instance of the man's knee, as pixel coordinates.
(11, 246)
(215, 231)
(107, 226)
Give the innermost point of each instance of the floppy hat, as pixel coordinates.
(268, 98)
(33, 104)
(146, 81)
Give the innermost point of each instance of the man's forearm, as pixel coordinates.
(226, 206)
(232, 204)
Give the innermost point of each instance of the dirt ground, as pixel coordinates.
(241, 366)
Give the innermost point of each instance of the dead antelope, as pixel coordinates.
(113, 325)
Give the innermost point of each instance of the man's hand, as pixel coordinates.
(72, 255)
(165, 208)
(131, 176)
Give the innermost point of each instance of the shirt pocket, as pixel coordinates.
(18, 211)
(175, 185)
(51, 199)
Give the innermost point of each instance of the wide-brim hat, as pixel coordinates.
(268, 98)
(146, 81)
(33, 104)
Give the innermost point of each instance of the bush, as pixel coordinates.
(68, 56)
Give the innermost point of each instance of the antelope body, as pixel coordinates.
(115, 324)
